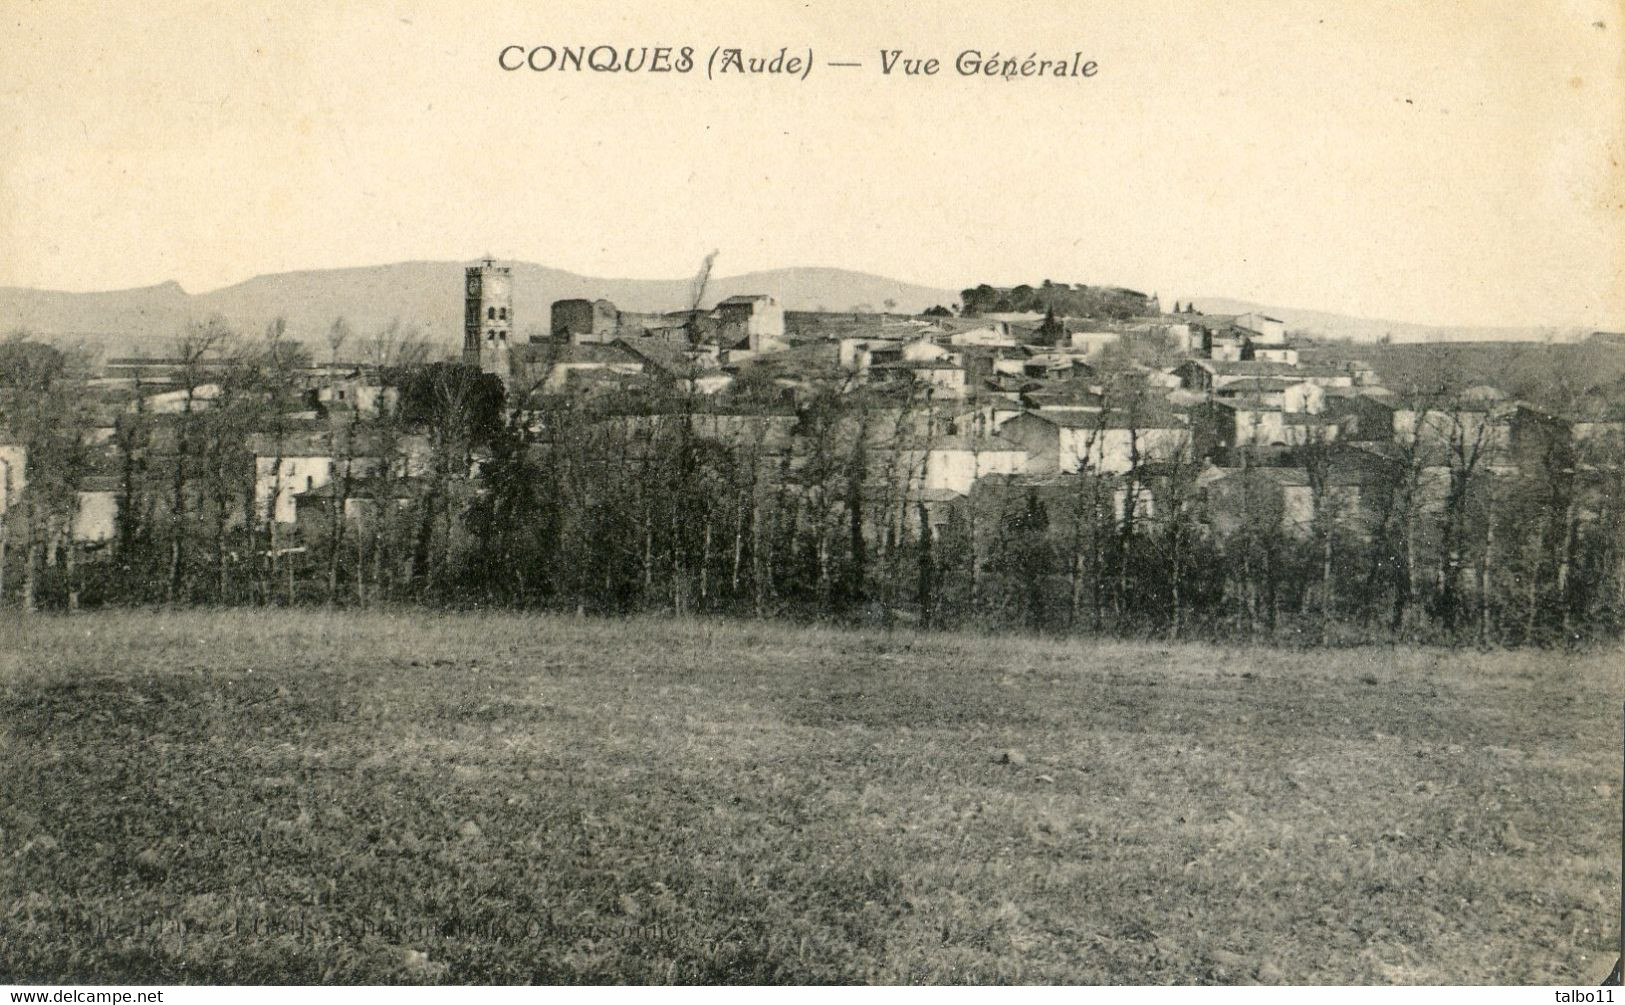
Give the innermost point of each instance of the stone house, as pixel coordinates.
(1107, 442)
(758, 316)
(579, 320)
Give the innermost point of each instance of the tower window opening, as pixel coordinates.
(490, 314)
(502, 313)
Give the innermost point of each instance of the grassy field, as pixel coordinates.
(300, 797)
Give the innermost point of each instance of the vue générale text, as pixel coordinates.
(723, 61)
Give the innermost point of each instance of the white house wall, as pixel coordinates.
(96, 517)
(956, 469)
(13, 473)
(1110, 451)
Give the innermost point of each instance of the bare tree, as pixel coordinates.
(42, 405)
(279, 359)
(1178, 503)
(195, 352)
(1471, 435)
(226, 429)
(1315, 458)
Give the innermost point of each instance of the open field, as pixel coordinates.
(301, 796)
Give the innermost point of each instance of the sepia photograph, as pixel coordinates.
(754, 492)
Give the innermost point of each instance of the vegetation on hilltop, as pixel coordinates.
(1064, 299)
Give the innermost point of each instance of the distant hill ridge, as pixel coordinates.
(426, 294)
(1343, 326)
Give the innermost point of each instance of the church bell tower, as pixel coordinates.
(488, 317)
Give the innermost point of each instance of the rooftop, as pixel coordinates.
(1257, 384)
(1112, 419)
(533, 357)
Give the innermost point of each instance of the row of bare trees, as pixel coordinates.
(1448, 534)
(186, 461)
(457, 494)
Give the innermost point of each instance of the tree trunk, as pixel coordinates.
(73, 575)
(859, 575)
(425, 537)
(1174, 586)
(1404, 577)
(1413, 582)
(175, 558)
(1097, 563)
(738, 563)
(335, 535)
(272, 559)
(928, 570)
(823, 570)
(758, 560)
(1564, 564)
(975, 557)
(221, 583)
(1249, 585)
(1326, 587)
(383, 519)
(648, 553)
(1271, 594)
(31, 574)
(705, 562)
(360, 567)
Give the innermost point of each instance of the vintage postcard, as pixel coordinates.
(1040, 493)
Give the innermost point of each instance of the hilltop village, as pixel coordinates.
(1069, 448)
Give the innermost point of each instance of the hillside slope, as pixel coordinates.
(428, 295)
(1344, 326)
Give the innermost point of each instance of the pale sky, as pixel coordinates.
(1437, 162)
